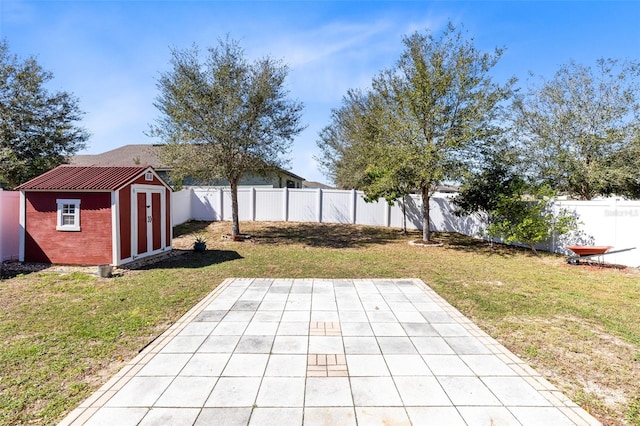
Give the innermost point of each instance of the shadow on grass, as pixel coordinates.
(333, 235)
(12, 269)
(464, 243)
(193, 260)
(191, 227)
(325, 235)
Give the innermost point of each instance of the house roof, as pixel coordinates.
(135, 154)
(311, 184)
(76, 178)
(127, 155)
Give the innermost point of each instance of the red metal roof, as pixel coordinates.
(77, 178)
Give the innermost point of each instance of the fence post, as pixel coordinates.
(285, 204)
(252, 203)
(192, 200)
(354, 203)
(615, 221)
(319, 212)
(221, 197)
(387, 214)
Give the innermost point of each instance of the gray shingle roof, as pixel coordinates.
(132, 155)
(127, 155)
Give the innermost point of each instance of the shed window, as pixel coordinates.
(68, 215)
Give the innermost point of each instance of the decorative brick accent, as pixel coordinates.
(319, 328)
(327, 365)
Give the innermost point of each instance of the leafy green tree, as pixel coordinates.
(581, 129)
(351, 144)
(391, 185)
(352, 132)
(527, 216)
(482, 192)
(432, 113)
(37, 127)
(622, 170)
(515, 210)
(224, 117)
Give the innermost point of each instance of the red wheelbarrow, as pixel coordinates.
(588, 252)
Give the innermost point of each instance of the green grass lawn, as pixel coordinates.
(64, 335)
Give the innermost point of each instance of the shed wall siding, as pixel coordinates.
(142, 181)
(168, 225)
(92, 245)
(125, 222)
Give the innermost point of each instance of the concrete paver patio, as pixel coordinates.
(326, 352)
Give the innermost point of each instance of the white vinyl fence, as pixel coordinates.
(607, 222)
(612, 222)
(316, 205)
(9, 225)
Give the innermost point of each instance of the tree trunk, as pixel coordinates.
(235, 228)
(426, 221)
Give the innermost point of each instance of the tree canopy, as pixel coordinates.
(482, 191)
(352, 130)
(224, 116)
(421, 123)
(581, 129)
(38, 128)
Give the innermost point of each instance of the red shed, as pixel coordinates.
(93, 215)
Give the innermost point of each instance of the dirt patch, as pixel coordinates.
(12, 269)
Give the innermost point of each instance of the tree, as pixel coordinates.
(224, 117)
(343, 142)
(526, 215)
(483, 191)
(37, 130)
(622, 171)
(581, 129)
(515, 209)
(433, 113)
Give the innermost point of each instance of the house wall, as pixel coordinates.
(92, 245)
(272, 180)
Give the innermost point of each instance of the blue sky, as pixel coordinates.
(110, 53)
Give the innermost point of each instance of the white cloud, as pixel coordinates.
(327, 42)
(326, 61)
